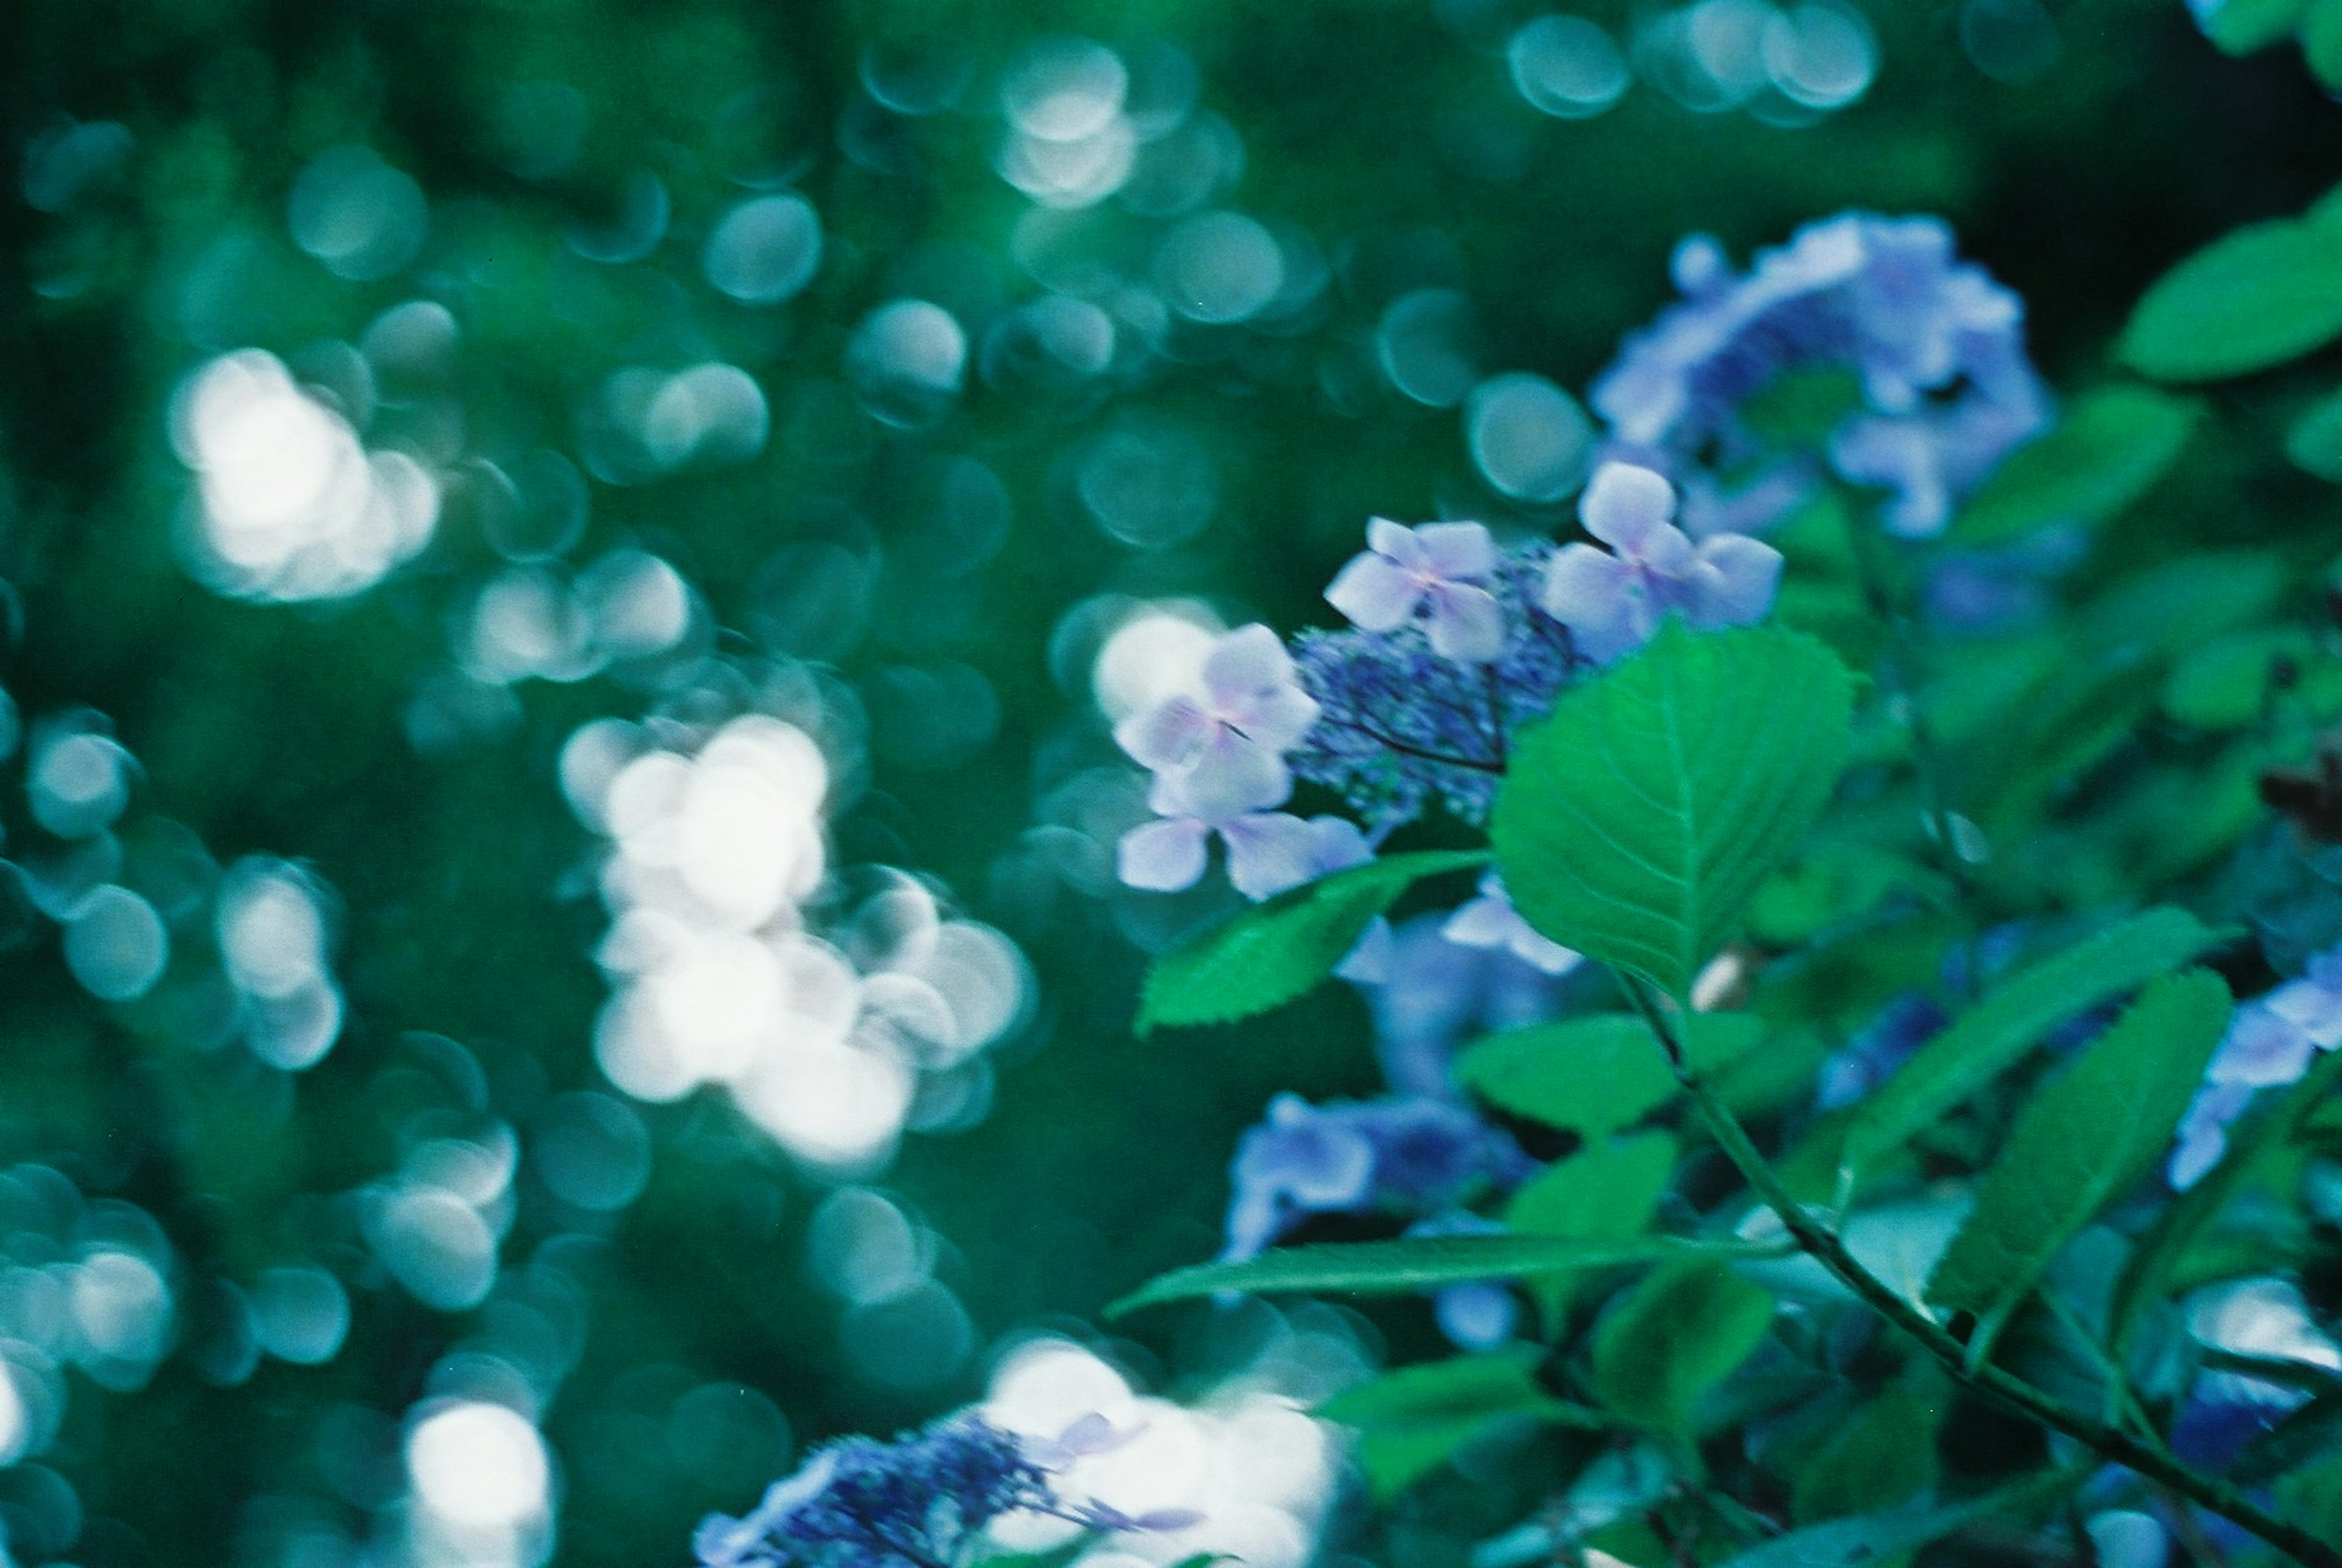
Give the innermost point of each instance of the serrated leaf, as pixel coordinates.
(2254, 298)
(1641, 815)
(1412, 1419)
(1607, 1192)
(1683, 1330)
(1264, 957)
(2107, 452)
(1597, 1073)
(1994, 1034)
(2156, 1260)
(2082, 1140)
(1870, 1539)
(1415, 1263)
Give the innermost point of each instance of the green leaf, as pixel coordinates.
(1264, 957)
(1607, 1192)
(2224, 684)
(1412, 1419)
(2106, 454)
(1420, 1262)
(2321, 41)
(1994, 1034)
(1641, 815)
(2254, 298)
(1683, 1330)
(2082, 1141)
(2156, 1260)
(1882, 1455)
(1873, 1538)
(2312, 1496)
(1597, 1073)
(2313, 439)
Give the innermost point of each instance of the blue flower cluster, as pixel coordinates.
(915, 1503)
(2270, 1042)
(1943, 388)
(1409, 1157)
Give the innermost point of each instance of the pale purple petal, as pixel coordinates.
(1374, 593)
(1165, 736)
(1243, 662)
(1626, 506)
(1735, 582)
(2312, 1007)
(1232, 776)
(1276, 716)
(1487, 921)
(1456, 552)
(1466, 624)
(1597, 597)
(2203, 1132)
(1336, 844)
(1162, 856)
(1400, 544)
(1270, 853)
(1477, 1315)
(1369, 963)
(2263, 1047)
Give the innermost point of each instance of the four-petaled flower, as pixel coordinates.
(1436, 569)
(1613, 604)
(1224, 746)
(1490, 921)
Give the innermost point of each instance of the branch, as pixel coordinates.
(2149, 1459)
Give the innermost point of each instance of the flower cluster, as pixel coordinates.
(919, 1502)
(2270, 1042)
(1409, 1157)
(1943, 389)
(1457, 645)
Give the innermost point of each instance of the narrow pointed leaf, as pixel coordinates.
(1421, 1263)
(1648, 807)
(2106, 454)
(1410, 1420)
(2082, 1140)
(1680, 1334)
(1997, 1032)
(2254, 298)
(1264, 957)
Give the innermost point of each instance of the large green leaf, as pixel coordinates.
(1681, 1333)
(1996, 1031)
(1881, 1456)
(1607, 1192)
(2079, 1142)
(2241, 26)
(2103, 455)
(2254, 298)
(1873, 1538)
(1410, 1420)
(1420, 1262)
(1597, 1073)
(1264, 957)
(1641, 815)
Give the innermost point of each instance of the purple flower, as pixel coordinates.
(1478, 1314)
(2262, 1047)
(2202, 1135)
(1225, 745)
(1871, 1057)
(1435, 568)
(2313, 1004)
(1490, 921)
(1613, 604)
(862, 1503)
(2271, 1041)
(1436, 992)
(1401, 726)
(1408, 1157)
(1941, 388)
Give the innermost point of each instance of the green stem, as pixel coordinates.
(2012, 1393)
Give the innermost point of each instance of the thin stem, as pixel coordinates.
(1404, 749)
(2149, 1459)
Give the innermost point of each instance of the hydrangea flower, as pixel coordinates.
(1871, 1057)
(919, 1502)
(1478, 1315)
(1401, 726)
(1435, 993)
(1613, 604)
(1490, 921)
(1225, 746)
(2271, 1041)
(915, 1503)
(1435, 568)
(1934, 346)
(1409, 1157)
